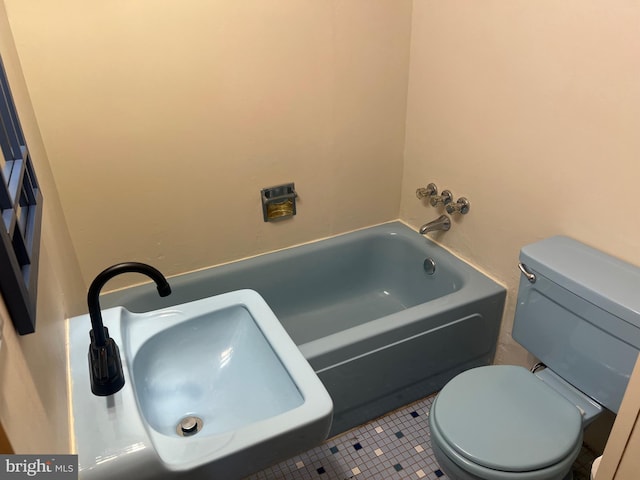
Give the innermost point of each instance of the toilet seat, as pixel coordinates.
(459, 468)
(504, 419)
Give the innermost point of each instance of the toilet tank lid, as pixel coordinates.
(601, 279)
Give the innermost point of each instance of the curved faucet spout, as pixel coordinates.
(443, 222)
(105, 364)
(93, 296)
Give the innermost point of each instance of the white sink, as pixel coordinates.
(213, 388)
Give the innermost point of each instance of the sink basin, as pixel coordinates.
(217, 367)
(213, 388)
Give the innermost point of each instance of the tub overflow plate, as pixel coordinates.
(429, 266)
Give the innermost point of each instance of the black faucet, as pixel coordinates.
(105, 365)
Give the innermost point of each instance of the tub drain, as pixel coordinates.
(188, 426)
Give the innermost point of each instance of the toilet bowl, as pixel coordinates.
(578, 313)
(503, 422)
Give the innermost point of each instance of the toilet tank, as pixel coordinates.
(581, 316)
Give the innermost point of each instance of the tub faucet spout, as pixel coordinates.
(443, 222)
(105, 365)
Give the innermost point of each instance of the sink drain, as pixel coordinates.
(188, 426)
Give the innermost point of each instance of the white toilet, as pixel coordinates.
(578, 311)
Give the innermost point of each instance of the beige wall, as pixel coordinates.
(163, 120)
(33, 368)
(532, 111)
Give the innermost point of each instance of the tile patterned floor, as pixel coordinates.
(395, 446)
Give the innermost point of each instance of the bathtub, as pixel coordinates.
(379, 330)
